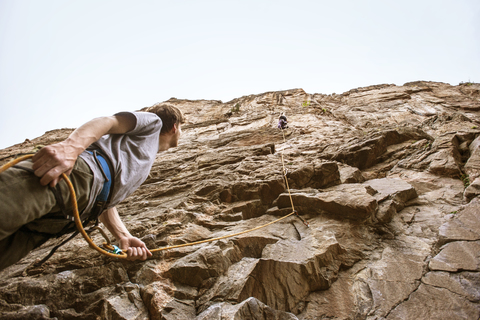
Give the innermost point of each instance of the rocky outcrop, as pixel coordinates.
(386, 177)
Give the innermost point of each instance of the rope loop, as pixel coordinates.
(73, 200)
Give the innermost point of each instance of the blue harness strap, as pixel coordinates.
(103, 165)
(102, 198)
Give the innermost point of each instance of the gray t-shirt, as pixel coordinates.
(131, 155)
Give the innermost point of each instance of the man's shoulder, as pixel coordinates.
(146, 122)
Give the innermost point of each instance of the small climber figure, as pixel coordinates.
(282, 122)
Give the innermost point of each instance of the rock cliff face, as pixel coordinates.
(386, 176)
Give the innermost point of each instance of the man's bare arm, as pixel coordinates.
(51, 161)
(136, 249)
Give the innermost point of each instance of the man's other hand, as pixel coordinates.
(136, 248)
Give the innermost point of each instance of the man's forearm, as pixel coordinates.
(51, 161)
(93, 130)
(111, 219)
(134, 247)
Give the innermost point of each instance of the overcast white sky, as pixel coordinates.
(63, 63)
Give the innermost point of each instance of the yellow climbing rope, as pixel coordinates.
(73, 200)
(285, 175)
(122, 254)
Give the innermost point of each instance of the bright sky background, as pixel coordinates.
(63, 63)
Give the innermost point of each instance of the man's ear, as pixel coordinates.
(174, 129)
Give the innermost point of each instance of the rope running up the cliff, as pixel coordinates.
(113, 251)
(288, 188)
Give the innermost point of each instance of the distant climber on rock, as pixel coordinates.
(106, 159)
(282, 122)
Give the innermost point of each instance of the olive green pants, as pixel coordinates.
(29, 213)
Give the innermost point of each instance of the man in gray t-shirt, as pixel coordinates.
(130, 140)
(131, 168)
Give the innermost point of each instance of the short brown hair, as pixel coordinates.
(169, 114)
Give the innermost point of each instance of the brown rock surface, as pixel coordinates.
(386, 176)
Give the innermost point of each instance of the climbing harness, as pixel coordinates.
(112, 250)
(103, 198)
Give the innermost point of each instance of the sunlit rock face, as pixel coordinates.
(387, 178)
